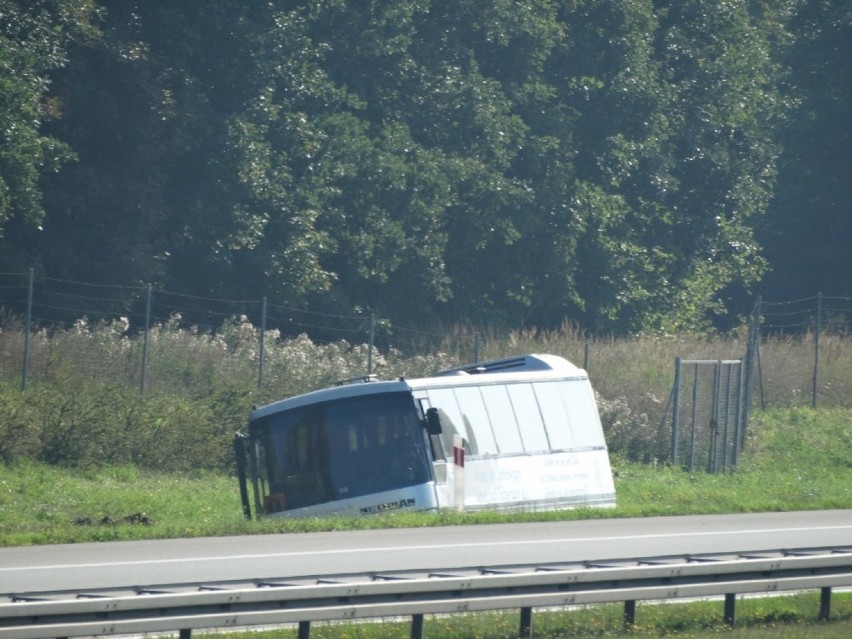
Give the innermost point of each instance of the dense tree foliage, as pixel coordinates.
(518, 163)
(34, 37)
(808, 227)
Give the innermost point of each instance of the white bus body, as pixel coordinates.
(526, 431)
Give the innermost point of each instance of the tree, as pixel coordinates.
(680, 158)
(809, 222)
(154, 197)
(34, 37)
(506, 162)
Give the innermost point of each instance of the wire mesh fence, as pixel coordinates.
(149, 336)
(138, 331)
(819, 321)
(707, 414)
(711, 400)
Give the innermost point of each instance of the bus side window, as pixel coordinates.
(448, 431)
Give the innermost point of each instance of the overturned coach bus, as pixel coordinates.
(520, 433)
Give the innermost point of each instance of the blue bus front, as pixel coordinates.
(362, 454)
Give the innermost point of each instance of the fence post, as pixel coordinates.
(25, 366)
(659, 440)
(693, 426)
(738, 418)
(712, 454)
(370, 343)
(816, 347)
(726, 426)
(675, 410)
(751, 356)
(145, 341)
(262, 341)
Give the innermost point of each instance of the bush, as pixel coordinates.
(629, 434)
(83, 407)
(102, 425)
(19, 436)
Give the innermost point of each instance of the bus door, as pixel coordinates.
(438, 450)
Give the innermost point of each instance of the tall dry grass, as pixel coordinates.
(87, 380)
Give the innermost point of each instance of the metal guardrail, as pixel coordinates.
(186, 607)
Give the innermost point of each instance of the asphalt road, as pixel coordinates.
(81, 567)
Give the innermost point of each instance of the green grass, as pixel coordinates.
(787, 617)
(796, 459)
(44, 504)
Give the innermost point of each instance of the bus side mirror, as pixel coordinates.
(433, 422)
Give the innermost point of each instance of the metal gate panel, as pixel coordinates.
(706, 414)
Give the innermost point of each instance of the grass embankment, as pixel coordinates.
(796, 459)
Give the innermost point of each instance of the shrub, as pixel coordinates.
(19, 436)
(103, 425)
(83, 406)
(629, 434)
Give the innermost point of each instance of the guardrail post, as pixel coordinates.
(417, 627)
(629, 614)
(731, 609)
(185, 633)
(304, 629)
(525, 629)
(825, 603)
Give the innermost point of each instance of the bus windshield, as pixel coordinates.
(340, 450)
